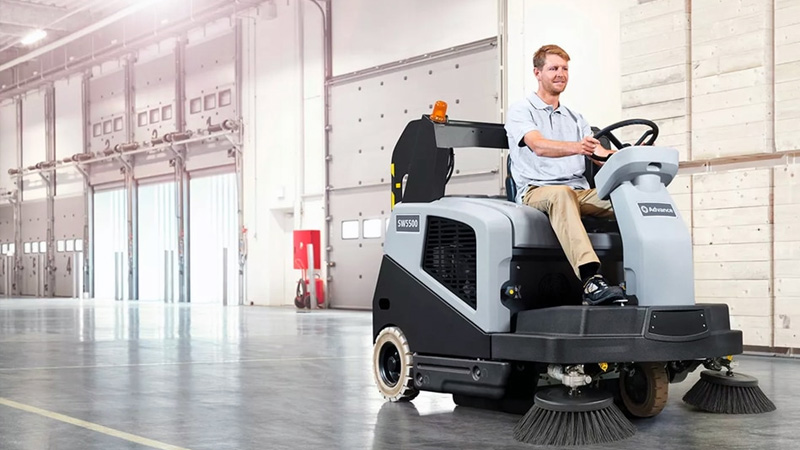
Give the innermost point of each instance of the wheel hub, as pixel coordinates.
(390, 364)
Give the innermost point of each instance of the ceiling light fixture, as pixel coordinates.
(33, 37)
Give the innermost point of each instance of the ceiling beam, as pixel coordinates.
(34, 15)
(105, 21)
(20, 31)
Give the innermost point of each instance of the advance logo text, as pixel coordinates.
(657, 209)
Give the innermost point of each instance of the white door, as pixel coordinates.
(110, 245)
(214, 240)
(158, 242)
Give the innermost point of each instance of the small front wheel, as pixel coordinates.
(392, 362)
(644, 389)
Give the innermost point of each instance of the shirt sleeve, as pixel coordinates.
(586, 129)
(519, 122)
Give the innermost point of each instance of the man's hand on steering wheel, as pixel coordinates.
(589, 145)
(601, 155)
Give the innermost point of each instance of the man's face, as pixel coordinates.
(554, 75)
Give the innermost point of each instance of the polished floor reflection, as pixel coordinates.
(104, 374)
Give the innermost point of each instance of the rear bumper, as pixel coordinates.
(580, 334)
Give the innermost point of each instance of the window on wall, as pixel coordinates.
(372, 228)
(210, 101)
(225, 97)
(350, 229)
(118, 124)
(166, 112)
(195, 105)
(142, 119)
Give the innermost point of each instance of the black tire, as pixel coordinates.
(644, 393)
(392, 363)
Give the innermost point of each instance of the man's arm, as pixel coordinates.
(557, 149)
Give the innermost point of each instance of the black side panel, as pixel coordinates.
(450, 257)
(431, 326)
(546, 279)
(461, 376)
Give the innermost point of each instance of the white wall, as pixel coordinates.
(365, 33)
(271, 97)
(368, 33)
(589, 31)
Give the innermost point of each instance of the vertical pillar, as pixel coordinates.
(88, 194)
(242, 254)
(50, 182)
(131, 187)
(181, 180)
(326, 90)
(18, 245)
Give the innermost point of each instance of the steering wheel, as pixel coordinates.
(647, 138)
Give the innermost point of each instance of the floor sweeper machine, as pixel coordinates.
(476, 298)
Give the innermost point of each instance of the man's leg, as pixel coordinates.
(560, 203)
(564, 209)
(591, 205)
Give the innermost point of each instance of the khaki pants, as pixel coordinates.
(565, 206)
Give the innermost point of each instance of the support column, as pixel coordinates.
(131, 186)
(88, 194)
(181, 178)
(50, 183)
(18, 245)
(242, 259)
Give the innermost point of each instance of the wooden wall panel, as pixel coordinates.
(733, 246)
(787, 75)
(787, 256)
(655, 69)
(732, 90)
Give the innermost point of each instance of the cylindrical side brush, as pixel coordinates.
(728, 393)
(561, 417)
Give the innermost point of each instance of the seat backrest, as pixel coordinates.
(511, 185)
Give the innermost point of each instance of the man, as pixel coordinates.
(548, 144)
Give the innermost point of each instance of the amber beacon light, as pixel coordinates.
(439, 114)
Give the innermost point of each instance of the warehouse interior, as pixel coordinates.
(164, 166)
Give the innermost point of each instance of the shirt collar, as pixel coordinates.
(538, 103)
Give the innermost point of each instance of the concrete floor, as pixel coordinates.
(113, 375)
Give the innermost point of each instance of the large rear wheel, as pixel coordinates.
(644, 389)
(392, 362)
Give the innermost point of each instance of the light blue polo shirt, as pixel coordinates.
(561, 124)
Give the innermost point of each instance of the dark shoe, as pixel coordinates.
(597, 292)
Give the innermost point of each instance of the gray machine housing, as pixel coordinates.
(658, 247)
(500, 227)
